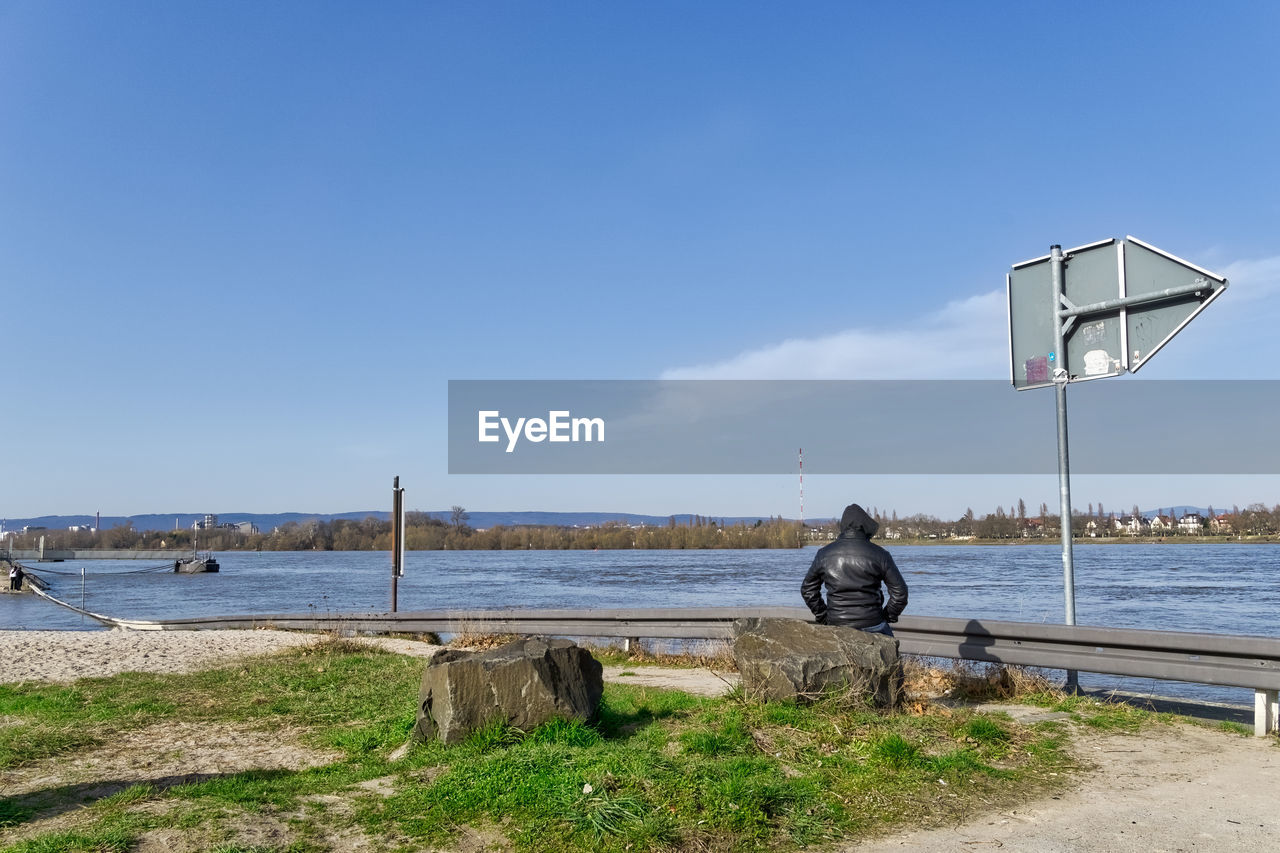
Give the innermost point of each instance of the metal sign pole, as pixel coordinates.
(1130, 299)
(1060, 379)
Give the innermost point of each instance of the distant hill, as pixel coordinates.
(268, 521)
(1177, 511)
(171, 521)
(586, 519)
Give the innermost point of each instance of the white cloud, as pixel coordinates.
(968, 339)
(1234, 338)
(1253, 279)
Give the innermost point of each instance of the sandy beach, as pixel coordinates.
(63, 656)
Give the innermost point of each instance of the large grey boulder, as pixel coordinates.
(790, 659)
(525, 683)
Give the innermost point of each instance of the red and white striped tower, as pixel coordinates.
(802, 486)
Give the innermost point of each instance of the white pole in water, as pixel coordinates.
(82, 592)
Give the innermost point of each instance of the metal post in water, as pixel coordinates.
(1061, 376)
(82, 593)
(397, 538)
(400, 539)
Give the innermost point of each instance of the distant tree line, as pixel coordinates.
(424, 532)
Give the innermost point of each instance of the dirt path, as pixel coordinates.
(700, 682)
(1171, 788)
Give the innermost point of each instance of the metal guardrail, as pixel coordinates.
(709, 623)
(1231, 661)
(1219, 659)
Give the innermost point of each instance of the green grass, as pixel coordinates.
(1099, 714)
(657, 770)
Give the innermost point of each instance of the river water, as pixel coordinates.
(1230, 588)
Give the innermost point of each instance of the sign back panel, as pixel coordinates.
(1149, 270)
(1031, 332)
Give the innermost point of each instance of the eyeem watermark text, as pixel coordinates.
(558, 426)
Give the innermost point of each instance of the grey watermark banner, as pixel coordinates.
(1117, 426)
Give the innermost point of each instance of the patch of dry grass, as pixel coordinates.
(475, 640)
(973, 682)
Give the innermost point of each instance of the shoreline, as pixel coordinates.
(1100, 540)
(113, 554)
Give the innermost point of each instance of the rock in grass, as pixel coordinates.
(524, 683)
(790, 659)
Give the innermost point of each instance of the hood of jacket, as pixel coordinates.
(855, 519)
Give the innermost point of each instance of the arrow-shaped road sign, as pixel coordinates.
(1122, 300)
(1177, 291)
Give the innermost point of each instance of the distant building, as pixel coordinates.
(816, 532)
(1191, 523)
(210, 522)
(1136, 525)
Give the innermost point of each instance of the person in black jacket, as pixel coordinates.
(853, 568)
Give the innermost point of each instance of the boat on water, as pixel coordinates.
(195, 565)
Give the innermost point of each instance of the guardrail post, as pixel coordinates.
(1266, 712)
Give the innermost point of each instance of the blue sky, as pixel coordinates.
(244, 246)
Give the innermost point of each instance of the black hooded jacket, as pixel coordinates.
(853, 568)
